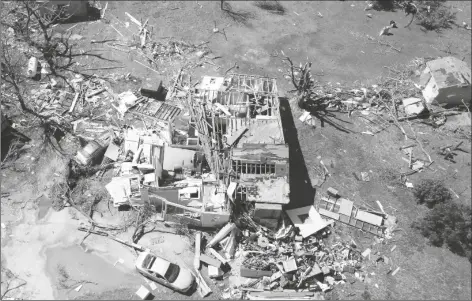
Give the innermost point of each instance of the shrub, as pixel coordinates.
(450, 224)
(366, 295)
(432, 192)
(439, 16)
(272, 6)
(385, 5)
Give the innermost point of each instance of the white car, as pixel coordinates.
(165, 272)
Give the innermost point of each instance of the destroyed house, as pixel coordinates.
(239, 126)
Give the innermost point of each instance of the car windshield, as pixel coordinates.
(148, 261)
(172, 272)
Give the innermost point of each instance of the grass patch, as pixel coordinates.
(271, 6)
(390, 177)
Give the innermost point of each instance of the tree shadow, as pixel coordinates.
(302, 192)
(239, 16)
(320, 111)
(271, 6)
(385, 5)
(93, 14)
(11, 141)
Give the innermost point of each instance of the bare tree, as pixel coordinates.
(32, 23)
(14, 80)
(10, 282)
(301, 80)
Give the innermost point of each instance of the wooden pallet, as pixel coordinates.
(157, 110)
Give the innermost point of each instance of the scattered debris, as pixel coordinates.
(32, 66)
(365, 176)
(396, 271)
(143, 292)
(121, 261)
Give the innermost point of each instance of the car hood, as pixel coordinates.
(184, 281)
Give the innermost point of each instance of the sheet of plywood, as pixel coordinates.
(177, 157)
(112, 152)
(307, 219)
(345, 207)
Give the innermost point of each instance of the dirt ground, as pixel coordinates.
(37, 240)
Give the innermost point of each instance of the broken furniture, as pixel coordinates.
(92, 150)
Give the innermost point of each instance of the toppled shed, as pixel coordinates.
(446, 81)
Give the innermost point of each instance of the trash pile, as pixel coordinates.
(171, 49)
(165, 52)
(294, 262)
(279, 265)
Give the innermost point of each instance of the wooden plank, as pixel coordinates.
(218, 256)
(250, 273)
(209, 260)
(196, 260)
(174, 113)
(164, 113)
(133, 19)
